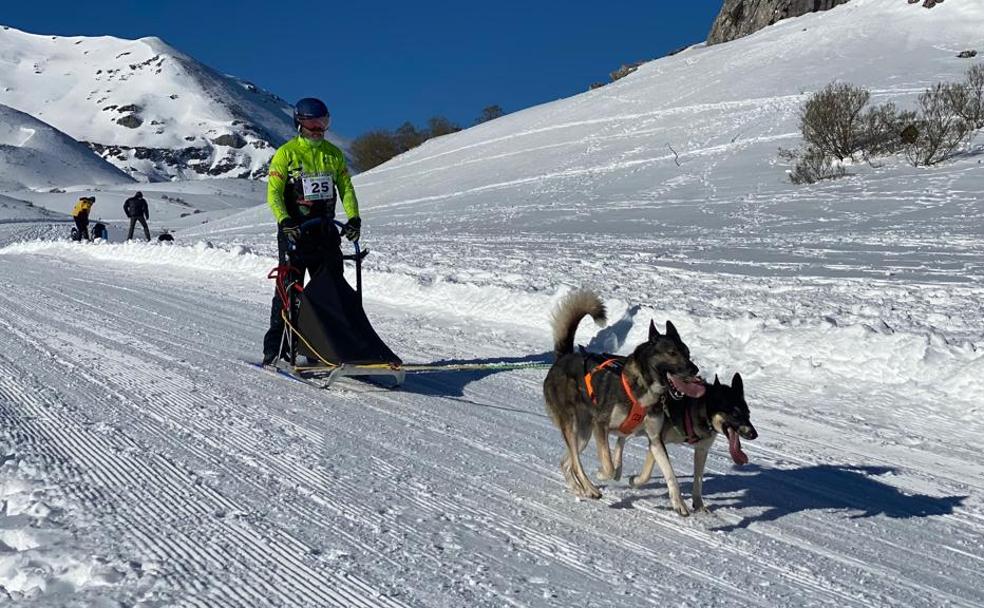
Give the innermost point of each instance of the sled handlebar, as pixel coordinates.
(318, 223)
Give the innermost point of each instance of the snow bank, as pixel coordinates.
(861, 357)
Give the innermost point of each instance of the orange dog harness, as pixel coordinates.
(636, 413)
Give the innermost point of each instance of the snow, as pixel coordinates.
(36, 155)
(84, 85)
(145, 462)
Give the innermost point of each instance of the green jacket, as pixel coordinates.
(311, 158)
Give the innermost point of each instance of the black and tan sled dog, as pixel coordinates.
(697, 421)
(580, 398)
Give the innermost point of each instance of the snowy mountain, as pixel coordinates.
(36, 155)
(144, 462)
(151, 110)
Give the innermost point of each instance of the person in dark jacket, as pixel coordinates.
(135, 208)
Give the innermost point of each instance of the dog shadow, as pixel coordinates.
(781, 492)
(452, 383)
(612, 338)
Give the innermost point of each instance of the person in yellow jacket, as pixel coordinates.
(308, 175)
(80, 213)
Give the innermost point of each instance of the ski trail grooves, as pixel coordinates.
(234, 488)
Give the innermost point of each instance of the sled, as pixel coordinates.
(327, 335)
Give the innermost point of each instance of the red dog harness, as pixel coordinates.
(636, 413)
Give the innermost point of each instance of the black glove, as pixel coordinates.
(352, 229)
(291, 229)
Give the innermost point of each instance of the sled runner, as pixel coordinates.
(326, 334)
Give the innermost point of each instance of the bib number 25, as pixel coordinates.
(318, 187)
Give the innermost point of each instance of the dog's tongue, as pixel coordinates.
(690, 388)
(734, 446)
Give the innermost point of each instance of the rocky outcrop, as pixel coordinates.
(742, 17)
(160, 164)
(233, 140)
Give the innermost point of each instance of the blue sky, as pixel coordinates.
(378, 64)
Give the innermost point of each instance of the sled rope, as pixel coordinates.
(280, 274)
(416, 367)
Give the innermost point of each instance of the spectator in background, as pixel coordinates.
(135, 208)
(80, 213)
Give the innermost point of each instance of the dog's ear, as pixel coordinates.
(653, 332)
(716, 381)
(736, 384)
(672, 331)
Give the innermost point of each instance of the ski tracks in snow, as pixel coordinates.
(197, 481)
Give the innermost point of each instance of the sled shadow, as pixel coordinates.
(782, 492)
(452, 383)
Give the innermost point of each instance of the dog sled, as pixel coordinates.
(327, 335)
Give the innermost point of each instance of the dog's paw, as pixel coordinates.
(637, 482)
(681, 508)
(700, 507)
(604, 475)
(618, 474)
(590, 492)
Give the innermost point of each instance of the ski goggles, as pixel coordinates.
(319, 123)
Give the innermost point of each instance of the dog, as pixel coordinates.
(697, 421)
(581, 400)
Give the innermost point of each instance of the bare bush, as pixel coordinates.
(972, 107)
(942, 130)
(883, 129)
(373, 149)
(439, 125)
(409, 137)
(811, 165)
(831, 120)
(490, 113)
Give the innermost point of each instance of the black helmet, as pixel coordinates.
(138, 194)
(309, 107)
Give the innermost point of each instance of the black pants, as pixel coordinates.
(133, 224)
(328, 258)
(82, 225)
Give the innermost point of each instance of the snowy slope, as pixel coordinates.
(145, 106)
(605, 159)
(35, 155)
(144, 462)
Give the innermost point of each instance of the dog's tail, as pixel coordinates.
(568, 314)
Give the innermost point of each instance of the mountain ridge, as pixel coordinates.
(152, 110)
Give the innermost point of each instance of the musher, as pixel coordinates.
(307, 176)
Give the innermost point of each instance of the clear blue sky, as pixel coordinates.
(380, 63)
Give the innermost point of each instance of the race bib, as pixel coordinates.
(318, 187)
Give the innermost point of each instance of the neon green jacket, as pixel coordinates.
(312, 157)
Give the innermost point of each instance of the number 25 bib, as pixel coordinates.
(318, 187)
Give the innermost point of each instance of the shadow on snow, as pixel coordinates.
(782, 492)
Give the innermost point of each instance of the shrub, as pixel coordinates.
(438, 126)
(941, 127)
(883, 130)
(971, 108)
(489, 113)
(831, 120)
(812, 165)
(408, 137)
(373, 149)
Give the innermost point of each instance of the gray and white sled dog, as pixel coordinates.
(583, 394)
(721, 410)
